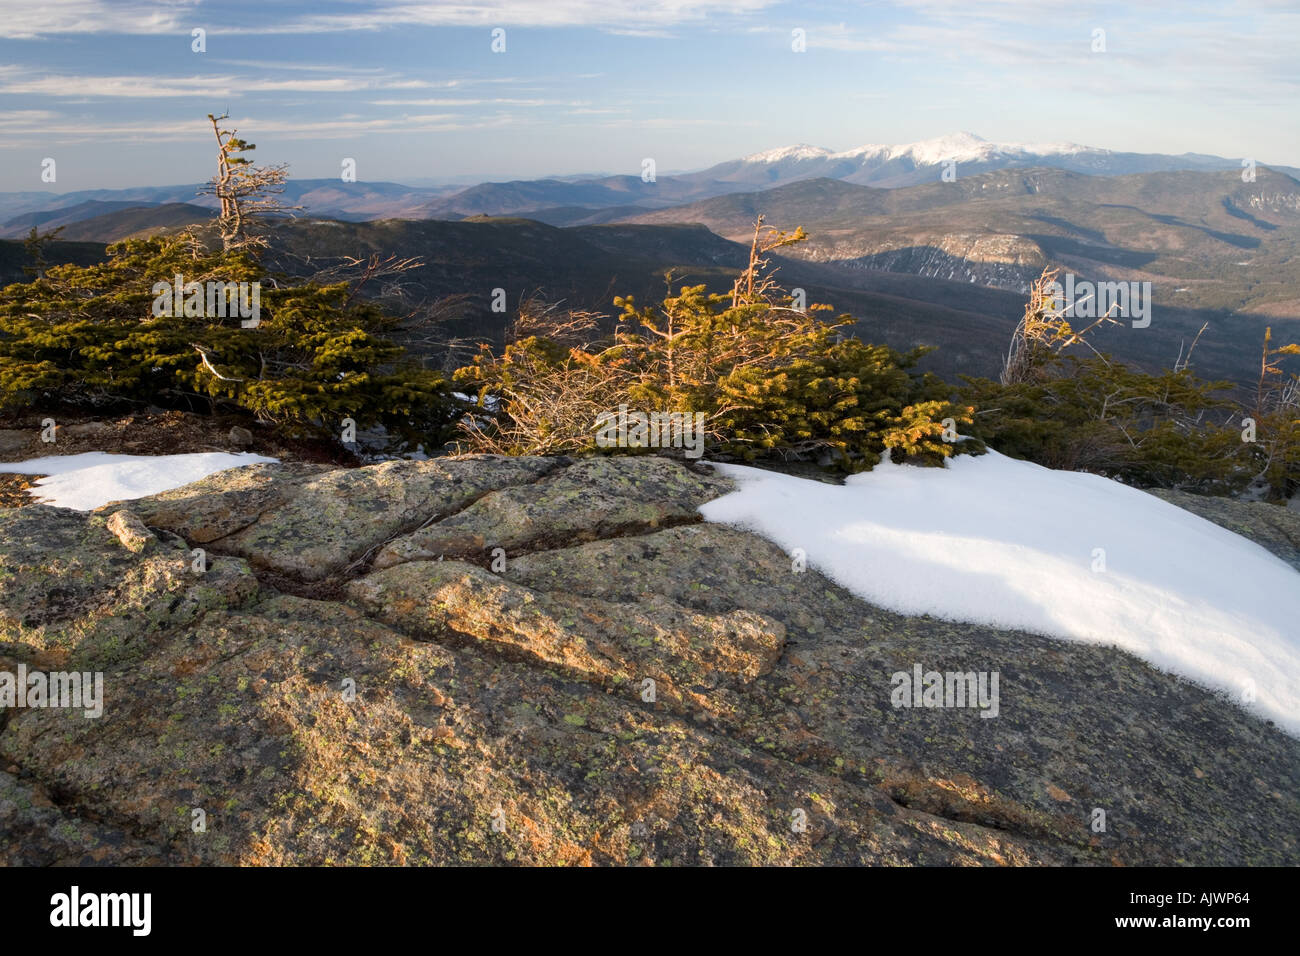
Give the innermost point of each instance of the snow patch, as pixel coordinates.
(783, 153)
(961, 148)
(87, 481)
(957, 147)
(1009, 544)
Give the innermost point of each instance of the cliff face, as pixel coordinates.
(998, 261)
(487, 660)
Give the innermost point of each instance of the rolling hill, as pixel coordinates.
(1204, 240)
(587, 266)
(561, 200)
(318, 197)
(942, 264)
(137, 221)
(14, 257)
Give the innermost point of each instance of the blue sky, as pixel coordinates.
(112, 90)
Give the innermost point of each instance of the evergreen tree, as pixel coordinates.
(1165, 429)
(771, 380)
(107, 335)
(248, 193)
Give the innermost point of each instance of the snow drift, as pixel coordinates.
(87, 481)
(995, 541)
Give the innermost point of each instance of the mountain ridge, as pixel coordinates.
(882, 165)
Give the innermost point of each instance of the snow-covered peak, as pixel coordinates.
(797, 153)
(963, 147)
(862, 152)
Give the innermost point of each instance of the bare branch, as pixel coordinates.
(203, 354)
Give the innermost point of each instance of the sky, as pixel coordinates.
(116, 93)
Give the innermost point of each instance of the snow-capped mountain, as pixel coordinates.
(563, 201)
(909, 164)
(959, 147)
(798, 153)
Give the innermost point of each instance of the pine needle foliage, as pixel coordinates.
(772, 381)
(89, 337)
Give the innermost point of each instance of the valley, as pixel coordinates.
(934, 263)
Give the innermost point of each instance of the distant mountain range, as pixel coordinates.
(914, 163)
(97, 221)
(322, 198)
(917, 259)
(1179, 229)
(586, 200)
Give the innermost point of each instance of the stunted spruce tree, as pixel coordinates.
(156, 324)
(771, 379)
(248, 193)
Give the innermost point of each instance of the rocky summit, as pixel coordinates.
(553, 661)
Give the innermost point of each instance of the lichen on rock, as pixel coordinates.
(354, 677)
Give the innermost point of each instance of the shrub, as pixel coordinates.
(770, 380)
(1095, 414)
(87, 336)
(1166, 429)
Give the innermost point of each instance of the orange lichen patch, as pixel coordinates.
(962, 798)
(259, 854)
(1057, 794)
(570, 854)
(13, 489)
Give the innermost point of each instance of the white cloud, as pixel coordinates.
(637, 17)
(304, 67)
(620, 15)
(492, 101)
(13, 80)
(1239, 53)
(40, 18)
(20, 117)
(29, 128)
